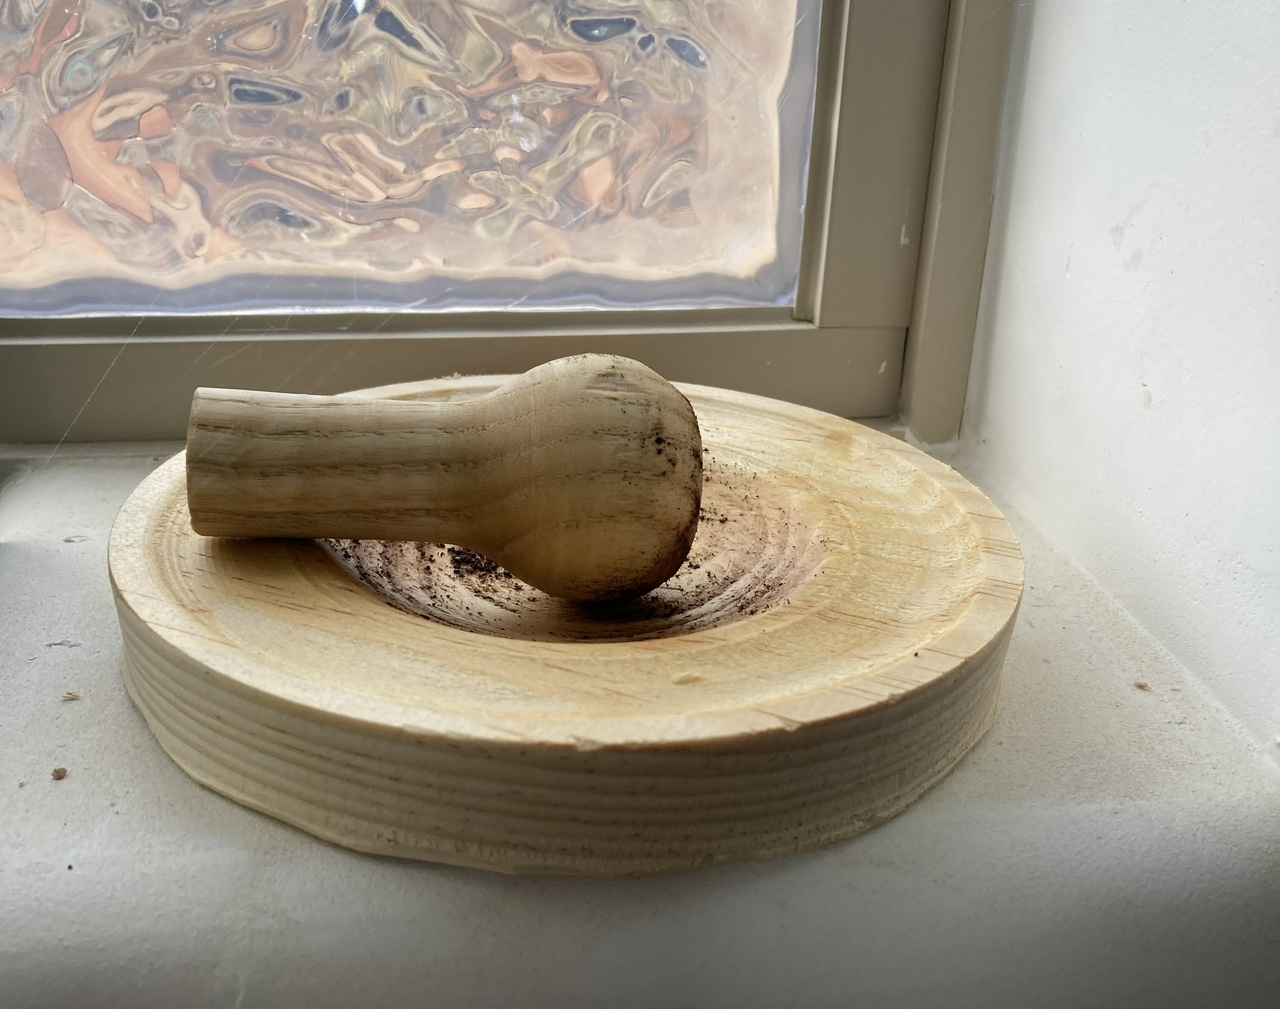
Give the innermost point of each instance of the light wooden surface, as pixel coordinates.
(831, 649)
(583, 476)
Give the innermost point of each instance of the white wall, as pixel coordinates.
(1125, 393)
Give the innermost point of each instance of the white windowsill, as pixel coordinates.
(1103, 845)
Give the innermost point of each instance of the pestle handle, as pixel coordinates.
(582, 477)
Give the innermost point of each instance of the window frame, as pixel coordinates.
(907, 107)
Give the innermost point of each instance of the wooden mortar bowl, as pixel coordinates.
(830, 650)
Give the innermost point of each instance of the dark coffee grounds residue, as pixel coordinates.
(468, 562)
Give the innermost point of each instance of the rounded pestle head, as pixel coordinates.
(611, 462)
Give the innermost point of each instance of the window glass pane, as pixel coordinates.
(230, 155)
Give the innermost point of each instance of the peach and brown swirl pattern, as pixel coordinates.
(407, 145)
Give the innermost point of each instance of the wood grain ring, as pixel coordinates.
(846, 657)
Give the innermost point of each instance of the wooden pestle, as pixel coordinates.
(583, 477)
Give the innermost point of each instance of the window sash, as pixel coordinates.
(841, 348)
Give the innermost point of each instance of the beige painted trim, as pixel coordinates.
(878, 172)
(123, 390)
(958, 218)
